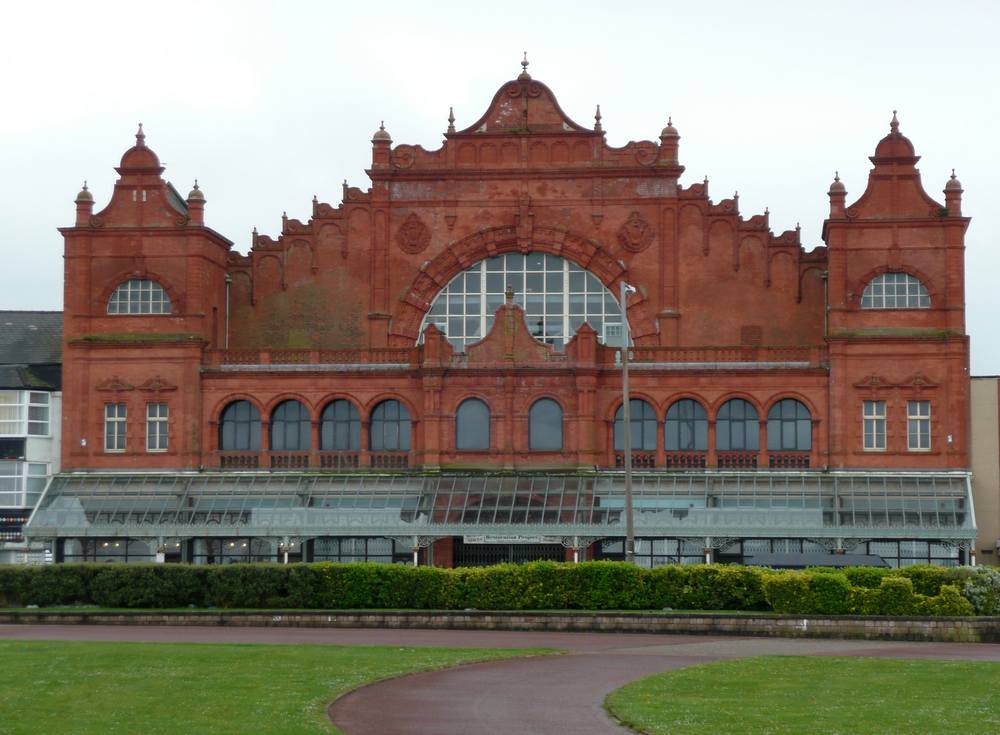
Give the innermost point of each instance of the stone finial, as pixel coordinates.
(894, 124)
(597, 120)
(451, 119)
(140, 138)
(524, 75)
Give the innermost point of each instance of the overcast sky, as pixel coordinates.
(267, 105)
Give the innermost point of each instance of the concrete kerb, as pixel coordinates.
(956, 629)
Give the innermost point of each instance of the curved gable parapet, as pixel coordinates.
(894, 189)
(523, 106)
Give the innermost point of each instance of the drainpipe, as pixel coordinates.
(229, 283)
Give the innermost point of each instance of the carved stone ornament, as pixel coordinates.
(157, 385)
(403, 156)
(114, 384)
(635, 234)
(413, 235)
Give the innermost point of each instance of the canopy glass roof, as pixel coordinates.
(753, 504)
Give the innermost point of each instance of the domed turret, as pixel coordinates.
(837, 187)
(895, 147)
(670, 131)
(381, 133)
(85, 195)
(196, 205)
(953, 196)
(139, 159)
(669, 143)
(84, 206)
(838, 197)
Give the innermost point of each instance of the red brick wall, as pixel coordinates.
(361, 275)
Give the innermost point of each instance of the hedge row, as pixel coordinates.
(535, 586)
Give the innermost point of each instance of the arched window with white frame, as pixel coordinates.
(139, 296)
(895, 290)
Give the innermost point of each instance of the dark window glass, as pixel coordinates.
(290, 427)
(340, 427)
(472, 425)
(390, 427)
(686, 427)
(737, 427)
(643, 420)
(545, 430)
(239, 428)
(789, 426)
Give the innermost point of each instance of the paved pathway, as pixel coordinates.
(553, 695)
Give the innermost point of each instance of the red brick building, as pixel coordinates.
(459, 317)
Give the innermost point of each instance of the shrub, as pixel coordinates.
(148, 585)
(895, 597)
(948, 603)
(982, 589)
(831, 594)
(58, 584)
(788, 593)
(246, 585)
(867, 577)
(927, 579)
(599, 585)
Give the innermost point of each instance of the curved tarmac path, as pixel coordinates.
(550, 695)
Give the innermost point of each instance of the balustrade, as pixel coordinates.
(788, 460)
(737, 460)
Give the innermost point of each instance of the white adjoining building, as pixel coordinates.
(30, 423)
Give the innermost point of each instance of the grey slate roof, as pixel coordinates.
(31, 349)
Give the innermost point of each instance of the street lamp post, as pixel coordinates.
(626, 289)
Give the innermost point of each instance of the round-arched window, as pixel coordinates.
(139, 296)
(737, 427)
(557, 297)
(390, 428)
(545, 426)
(291, 429)
(340, 427)
(895, 290)
(472, 425)
(239, 427)
(686, 428)
(789, 426)
(643, 420)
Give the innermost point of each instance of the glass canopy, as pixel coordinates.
(758, 504)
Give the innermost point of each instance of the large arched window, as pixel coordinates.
(737, 427)
(643, 420)
(291, 429)
(139, 296)
(557, 297)
(239, 427)
(390, 428)
(545, 425)
(789, 426)
(340, 427)
(895, 290)
(472, 425)
(686, 427)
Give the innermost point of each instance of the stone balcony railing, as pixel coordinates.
(809, 356)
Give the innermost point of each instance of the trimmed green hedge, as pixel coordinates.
(537, 586)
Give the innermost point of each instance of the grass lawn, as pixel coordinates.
(84, 687)
(778, 694)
